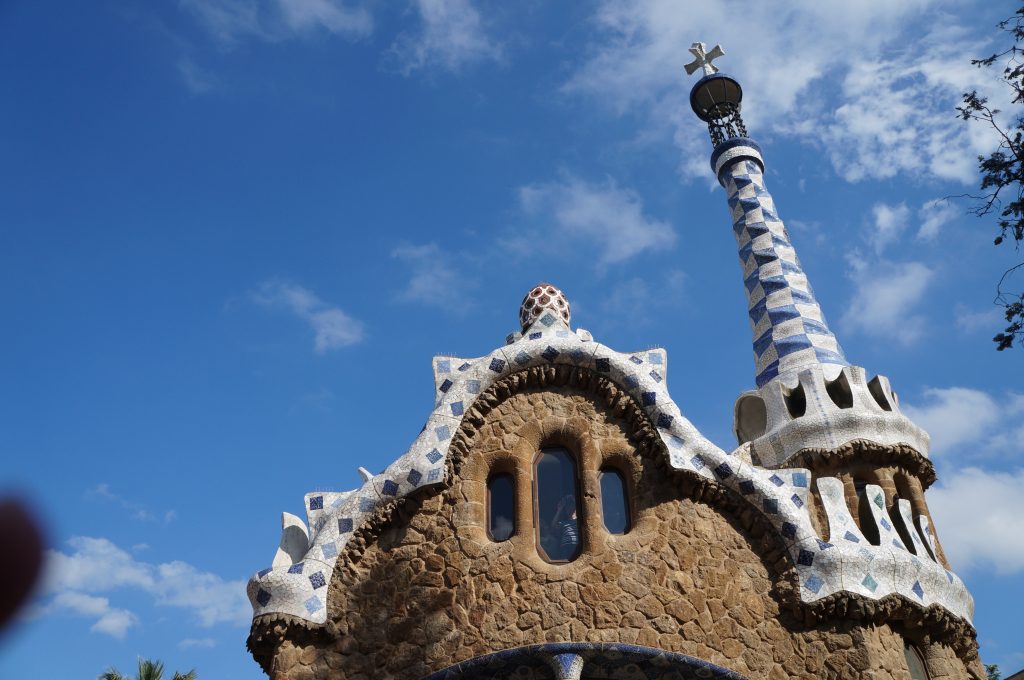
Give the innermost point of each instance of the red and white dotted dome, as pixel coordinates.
(544, 297)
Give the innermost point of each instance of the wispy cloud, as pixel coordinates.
(971, 321)
(934, 216)
(336, 17)
(230, 22)
(451, 35)
(638, 300)
(192, 643)
(606, 216)
(77, 582)
(889, 223)
(887, 298)
(332, 328)
(134, 509)
(896, 84)
(197, 79)
(433, 279)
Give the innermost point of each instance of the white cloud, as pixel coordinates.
(432, 278)
(954, 416)
(332, 328)
(451, 35)
(935, 215)
(108, 620)
(75, 581)
(605, 216)
(231, 21)
(969, 423)
(886, 298)
(979, 516)
(191, 643)
(897, 85)
(890, 221)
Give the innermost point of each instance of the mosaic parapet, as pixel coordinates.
(299, 588)
(822, 407)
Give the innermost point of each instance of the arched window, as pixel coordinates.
(556, 505)
(501, 523)
(614, 502)
(915, 662)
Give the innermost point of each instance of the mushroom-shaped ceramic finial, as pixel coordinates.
(543, 297)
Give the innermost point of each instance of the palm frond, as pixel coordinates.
(150, 670)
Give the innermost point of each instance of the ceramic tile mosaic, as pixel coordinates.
(790, 332)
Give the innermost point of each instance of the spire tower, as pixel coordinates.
(790, 331)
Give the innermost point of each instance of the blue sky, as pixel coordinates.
(233, 233)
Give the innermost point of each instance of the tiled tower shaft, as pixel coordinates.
(790, 331)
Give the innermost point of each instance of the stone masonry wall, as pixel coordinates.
(432, 589)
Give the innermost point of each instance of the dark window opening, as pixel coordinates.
(868, 527)
(614, 502)
(501, 522)
(876, 390)
(556, 505)
(915, 662)
(901, 527)
(796, 401)
(839, 391)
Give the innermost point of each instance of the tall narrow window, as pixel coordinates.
(557, 505)
(501, 507)
(614, 507)
(915, 662)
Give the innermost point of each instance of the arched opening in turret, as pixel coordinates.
(878, 392)
(839, 391)
(796, 400)
(751, 418)
(901, 527)
(865, 517)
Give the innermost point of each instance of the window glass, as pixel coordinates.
(500, 507)
(557, 505)
(614, 509)
(915, 663)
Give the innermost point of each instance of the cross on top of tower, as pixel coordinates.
(704, 58)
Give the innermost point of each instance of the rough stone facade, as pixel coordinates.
(424, 587)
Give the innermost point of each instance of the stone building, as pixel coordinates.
(559, 517)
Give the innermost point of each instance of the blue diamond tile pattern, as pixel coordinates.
(313, 604)
(790, 331)
(317, 580)
(263, 597)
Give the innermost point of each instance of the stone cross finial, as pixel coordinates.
(704, 58)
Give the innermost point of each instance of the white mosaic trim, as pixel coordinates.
(781, 495)
(824, 425)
